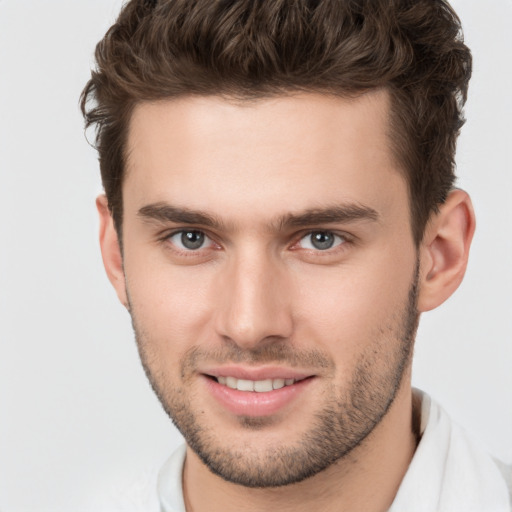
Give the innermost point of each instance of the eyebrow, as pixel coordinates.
(330, 215)
(164, 212)
(353, 212)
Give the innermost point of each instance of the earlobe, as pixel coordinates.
(444, 250)
(111, 250)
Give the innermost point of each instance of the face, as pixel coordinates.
(271, 275)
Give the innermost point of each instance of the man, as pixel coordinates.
(279, 210)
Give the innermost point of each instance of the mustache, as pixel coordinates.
(274, 352)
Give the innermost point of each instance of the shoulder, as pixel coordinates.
(135, 493)
(506, 471)
(450, 471)
(156, 489)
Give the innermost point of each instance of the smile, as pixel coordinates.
(258, 386)
(267, 393)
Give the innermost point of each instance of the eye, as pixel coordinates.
(321, 240)
(190, 240)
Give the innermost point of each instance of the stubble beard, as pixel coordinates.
(346, 419)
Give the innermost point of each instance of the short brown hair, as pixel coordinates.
(257, 48)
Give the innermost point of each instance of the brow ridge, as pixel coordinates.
(353, 212)
(165, 212)
(334, 214)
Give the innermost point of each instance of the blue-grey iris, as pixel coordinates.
(322, 240)
(192, 239)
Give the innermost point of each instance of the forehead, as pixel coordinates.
(272, 155)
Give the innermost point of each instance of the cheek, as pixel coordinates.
(171, 304)
(347, 309)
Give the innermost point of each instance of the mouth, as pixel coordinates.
(258, 386)
(256, 393)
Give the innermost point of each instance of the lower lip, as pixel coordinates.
(252, 403)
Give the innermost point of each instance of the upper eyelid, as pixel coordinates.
(346, 241)
(166, 239)
(167, 233)
(294, 238)
(343, 234)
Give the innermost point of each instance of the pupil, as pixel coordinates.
(192, 239)
(322, 240)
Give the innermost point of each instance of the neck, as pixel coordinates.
(366, 479)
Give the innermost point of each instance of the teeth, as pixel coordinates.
(231, 382)
(245, 385)
(260, 386)
(278, 383)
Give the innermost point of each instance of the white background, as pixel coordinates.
(76, 413)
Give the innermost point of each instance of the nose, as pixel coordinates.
(254, 302)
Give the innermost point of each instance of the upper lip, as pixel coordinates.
(256, 373)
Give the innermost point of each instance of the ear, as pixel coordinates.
(111, 250)
(444, 250)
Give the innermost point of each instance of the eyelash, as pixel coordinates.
(166, 239)
(345, 240)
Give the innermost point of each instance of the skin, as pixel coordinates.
(258, 294)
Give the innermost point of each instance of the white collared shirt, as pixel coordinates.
(448, 472)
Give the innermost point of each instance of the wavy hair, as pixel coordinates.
(164, 49)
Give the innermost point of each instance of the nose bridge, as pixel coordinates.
(254, 307)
